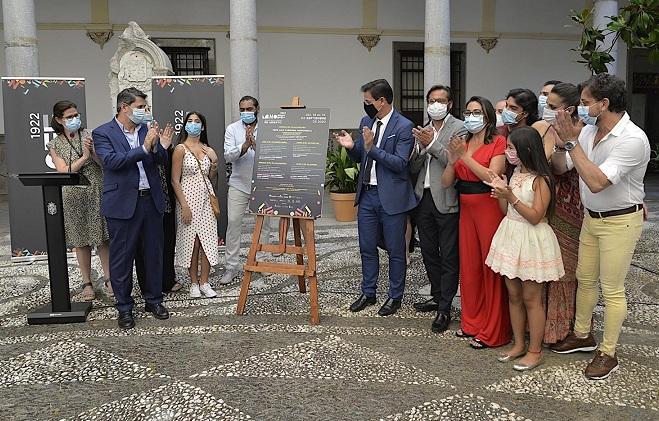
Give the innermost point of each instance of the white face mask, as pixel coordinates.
(549, 115)
(437, 110)
(499, 120)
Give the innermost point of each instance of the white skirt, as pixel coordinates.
(525, 251)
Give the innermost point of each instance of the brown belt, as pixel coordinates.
(616, 212)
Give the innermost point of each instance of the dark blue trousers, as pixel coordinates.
(124, 239)
(371, 221)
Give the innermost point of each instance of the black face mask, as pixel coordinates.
(370, 109)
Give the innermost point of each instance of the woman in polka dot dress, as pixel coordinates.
(193, 164)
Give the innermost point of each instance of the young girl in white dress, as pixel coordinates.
(525, 249)
(194, 164)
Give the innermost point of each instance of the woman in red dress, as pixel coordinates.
(483, 298)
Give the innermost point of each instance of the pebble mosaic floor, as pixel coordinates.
(206, 363)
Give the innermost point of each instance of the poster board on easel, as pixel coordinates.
(288, 182)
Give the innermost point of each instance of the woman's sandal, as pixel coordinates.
(478, 344)
(177, 287)
(88, 294)
(460, 334)
(504, 358)
(522, 367)
(107, 285)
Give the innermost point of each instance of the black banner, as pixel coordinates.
(289, 168)
(28, 104)
(174, 97)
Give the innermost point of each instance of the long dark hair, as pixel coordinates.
(569, 95)
(203, 137)
(58, 112)
(490, 115)
(526, 99)
(531, 154)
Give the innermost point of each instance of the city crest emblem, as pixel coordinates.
(51, 208)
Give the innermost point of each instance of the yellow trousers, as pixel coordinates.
(606, 247)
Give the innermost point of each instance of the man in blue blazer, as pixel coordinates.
(384, 192)
(133, 200)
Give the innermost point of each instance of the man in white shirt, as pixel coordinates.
(239, 146)
(611, 155)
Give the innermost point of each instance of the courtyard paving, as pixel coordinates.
(207, 363)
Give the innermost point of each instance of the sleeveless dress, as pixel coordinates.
(204, 223)
(83, 224)
(520, 249)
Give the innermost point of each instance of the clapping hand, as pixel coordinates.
(368, 136)
(88, 144)
(566, 128)
(457, 146)
(86, 151)
(210, 153)
(344, 139)
(423, 135)
(499, 184)
(152, 136)
(166, 136)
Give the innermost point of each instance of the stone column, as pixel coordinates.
(605, 8)
(20, 36)
(244, 53)
(437, 47)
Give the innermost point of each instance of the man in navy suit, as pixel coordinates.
(133, 201)
(384, 192)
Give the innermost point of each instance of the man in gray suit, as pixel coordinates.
(437, 214)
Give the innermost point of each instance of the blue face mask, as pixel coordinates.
(248, 117)
(137, 117)
(193, 129)
(474, 123)
(148, 118)
(72, 124)
(542, 103)
(509, 117)
(583, 111)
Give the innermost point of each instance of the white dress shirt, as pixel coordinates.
(426, 181)
(241, 166)
(622, 155)
(385, 121)
(133, 139)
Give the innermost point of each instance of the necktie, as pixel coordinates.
(369, 162)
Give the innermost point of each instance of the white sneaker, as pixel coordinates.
(228, 276)
(425, 290)
(207, 290)
(194, 291)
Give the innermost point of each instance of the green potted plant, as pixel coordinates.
(342, 174)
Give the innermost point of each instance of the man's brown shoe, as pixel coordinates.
(572, 343)
(601, 367)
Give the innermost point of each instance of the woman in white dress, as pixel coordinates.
(525, 249)
(194, 164)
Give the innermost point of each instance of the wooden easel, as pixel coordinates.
(302, 227)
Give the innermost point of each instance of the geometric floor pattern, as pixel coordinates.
(326, 358)
(632, 385)
(206, 363)
(457, 407)
(173, 401)
(69, 362)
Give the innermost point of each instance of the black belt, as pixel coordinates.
(144, 192)
(472, 187)
(370, 186)
(616, 212)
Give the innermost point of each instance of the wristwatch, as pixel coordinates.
(569, 145)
